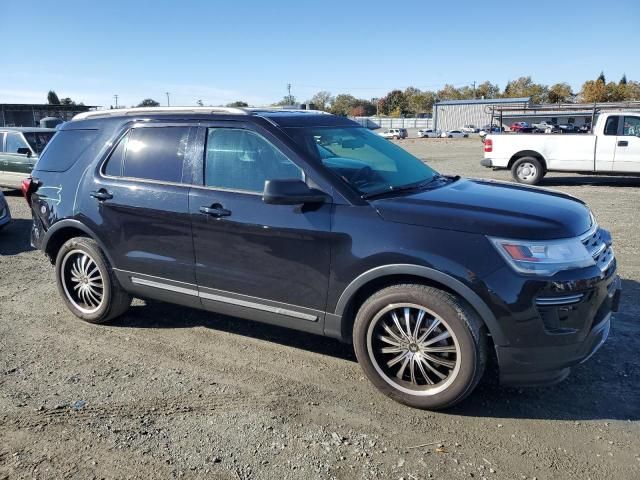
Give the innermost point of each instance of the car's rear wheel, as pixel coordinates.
(528, 170)
(420, 346)
(86, 282)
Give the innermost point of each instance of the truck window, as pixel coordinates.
(611, 127)
(631, 126)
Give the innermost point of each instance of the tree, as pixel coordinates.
(601, 77)
(419, 101)
(199, 103)
(559, 93)
(631, 90)
(238, 103)
(149, 102)
(593, 91)
(286, 101)
(395, 103)
(67, 101)
(343, 104)
(487, 90)
(449, 92)
(322, 100)
(623, 80)
(525, 87)
(363, 108)
(52, 98)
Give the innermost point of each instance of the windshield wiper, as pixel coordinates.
(392, 190)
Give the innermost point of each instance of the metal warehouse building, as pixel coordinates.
(30, 114)
(455, 114)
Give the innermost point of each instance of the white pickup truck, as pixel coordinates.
(613, 147)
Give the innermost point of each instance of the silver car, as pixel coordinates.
(5, 214)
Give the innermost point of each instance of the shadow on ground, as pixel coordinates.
(606, 387)
(14, 237)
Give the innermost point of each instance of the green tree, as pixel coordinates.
(67, 101)
(343, 104)
(487, 90)
(199, 103)
(322, 100)
(286, 101)
(419, 101)
(623, 80)
(525, 87)
(363, 108)
(148, 102)
(52, 98)
(559, 93)
(396, 103)
(238, 103)
(449, 92)
(601, 77)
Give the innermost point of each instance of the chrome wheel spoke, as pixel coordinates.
(440, 361)
(400, 373)
(444, 335)
(407, 321)
(416, 329)
(432, 327)
(424, 374)
(390, 331)
(395, 360)
(393, 350)
(390, 341)
(394, 316)
(448, 349)
(423, 360)
(412, 369)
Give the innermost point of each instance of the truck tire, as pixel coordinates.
(528, 170)
(420, 346)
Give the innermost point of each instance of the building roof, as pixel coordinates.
(44, 106)
(484, 101)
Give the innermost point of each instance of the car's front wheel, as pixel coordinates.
(86, 282)
(420, 346)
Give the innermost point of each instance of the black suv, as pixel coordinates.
(309, 221)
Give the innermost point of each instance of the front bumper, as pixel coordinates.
(544, 365)
(486, 162)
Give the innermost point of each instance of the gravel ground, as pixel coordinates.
(168, 392)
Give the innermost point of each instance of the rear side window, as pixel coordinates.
(64, 149)
(611, 127)
(155, 153)
(1, 142)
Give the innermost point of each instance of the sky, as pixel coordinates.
(223, 51)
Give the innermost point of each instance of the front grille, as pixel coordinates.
(598, 242)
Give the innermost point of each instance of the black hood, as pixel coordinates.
(490, 208)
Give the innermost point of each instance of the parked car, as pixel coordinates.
(396, 133)
(428, 133)
(268, 215)
(568, 128)
(470, 129)
(5, 213)
(545, 127)
(613, 147)
(521, 127)
(585, 127)
(19, 151)
(454, 134)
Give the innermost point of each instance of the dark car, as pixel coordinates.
(5, 214)
(19, 151)
(312, 222)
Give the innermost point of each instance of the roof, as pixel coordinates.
(281, 117)
(27, 129)
(485, 101)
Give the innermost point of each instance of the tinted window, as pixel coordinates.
(242, 160)
(38, 140)
(14, 142)
(116, 159)
(1, 142)
(631, 126)
(65, 148)
(156, 153)
(611, 127)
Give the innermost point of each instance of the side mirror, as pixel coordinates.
(291, 192)
(24, 151)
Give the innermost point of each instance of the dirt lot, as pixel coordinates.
(168, 392)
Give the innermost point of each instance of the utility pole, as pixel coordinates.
(474, 89)
(167, 93)
(116, 97)
(289, 94)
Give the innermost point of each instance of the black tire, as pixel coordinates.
(529, 170)
(455, 315)
(450, 136)
(114, 300)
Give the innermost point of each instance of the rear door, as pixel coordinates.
(606, 144)
(627, 157)
(264, 262)
(139, 207)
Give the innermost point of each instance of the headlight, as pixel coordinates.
(543, 257)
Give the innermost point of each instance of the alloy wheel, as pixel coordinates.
(82, 281)
(413, 349)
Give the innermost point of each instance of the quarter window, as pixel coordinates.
(116, 160)
(14, 142)
(242, 160)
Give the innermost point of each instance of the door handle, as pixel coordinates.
(215, 210)
(623, 143)
(101, 195)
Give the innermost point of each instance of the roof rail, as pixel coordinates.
(138, 110)
(116, 112)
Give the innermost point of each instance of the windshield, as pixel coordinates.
(366, 161)
(38, 140)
